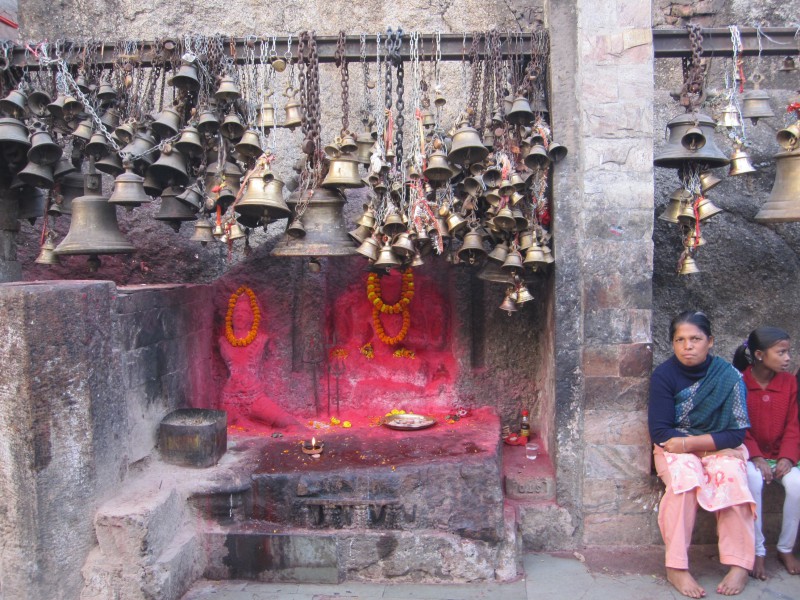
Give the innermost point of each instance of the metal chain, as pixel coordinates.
(400, 104)
(692, 90)
(341, 63)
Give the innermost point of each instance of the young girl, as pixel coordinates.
(773, 440)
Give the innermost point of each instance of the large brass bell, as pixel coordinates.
(326, 232)
(472, 250)
(152, 187)
(129, 190)
(687, 266)
(93, 229)
(740, 163)
(227, 91)
(262, 202)
(437, 168)
(170, 169)
(387, 258)
(294, 115)
(207, 122)
(730, 116)
(343, 173)
(110, 165)
(13, 105)
(173, 211)
(40, 176)
(520, 113)
(266, 116)
(755, 105)
(190, 144)
(202, 232)
(783, 203)
(186, 78)
(43, 151)
(250, 145)
(232, 127)
(167, 124)
(369, 249)
(675, 153)
(467, 147)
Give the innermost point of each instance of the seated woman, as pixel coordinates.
(773, 440)
(697, 418)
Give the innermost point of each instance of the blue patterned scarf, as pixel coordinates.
(717, 402)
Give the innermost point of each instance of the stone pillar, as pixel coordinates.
(10, 269)
(602, 88)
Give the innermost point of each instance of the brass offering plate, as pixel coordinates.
(408, 422)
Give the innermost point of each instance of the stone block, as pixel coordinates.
(180, 565)
(616, 155)
(616, 461)
(620, 393)
(617, 325)
(601, 361)
(528, 480)
(618, 291)
(627, 427)
(636, 360)
(608, 259)
(544, 527)
(617, 120)
(610, 529)
(622, 496)
(620, 225)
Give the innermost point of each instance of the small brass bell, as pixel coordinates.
(124, 133)
(37, 103)
(110, 165)
(202, 232)
(523, 295)
(84, 130)
(139, 149)
(365, 144)
(520, 219)
(172, 211)
(687, 266)
(755, 105)
(186, 78)
(367, 219)
(504, 219)
(369, 249)
(71, 106)
(783, 203)
(348, 144)
(488, 138)
(467, 147)
(152, 187)
(439, 100)
(14, 104)
(295, 229)
(513, 262)
(106, 92)
(387, 258)
(393, 225)
(249, 145)
(437, 169)
(693, 139)
(81, 83)
(266, 116)
(294, 115)
(43, 151)
(472, 250)
(730, 116)
(708, 181)
(235, 232)
(508, 304)
(218, 231)
(359, 234)
(403, 246)
(788, 65)
(556, 152)
(493, 197)
(506, 188)
(15, 143)
(62, 168)
(110, 119)
(40, 176)
(693, 240)
(97, 147)
(170, 169)
(520, 113)
(472, 185)
(676, 202)
(498, 254)
(167, 124)
(428, 118)
(537, 157)
(129, 190)
(788, 137)
(31, 202)
(492, 176)
(343, 173)
(232, 127)
(56, 107)
(207, 122)
(191, 196)
(190, 144)
(47, 255)
(740, 163)
(227, 91)
(534, 257)
(455, 224)
(548, 255)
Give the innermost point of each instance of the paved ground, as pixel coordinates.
(620, 574)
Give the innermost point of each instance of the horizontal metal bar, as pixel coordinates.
(775, 41)
(453, 47)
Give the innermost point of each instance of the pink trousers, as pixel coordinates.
(676, 516)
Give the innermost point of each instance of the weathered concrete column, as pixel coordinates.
(602, 86)
(10, 269)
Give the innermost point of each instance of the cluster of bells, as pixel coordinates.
(691, 149)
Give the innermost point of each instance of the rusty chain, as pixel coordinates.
(693, 72)
(341, 63)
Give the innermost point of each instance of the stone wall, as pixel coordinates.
(88, 373)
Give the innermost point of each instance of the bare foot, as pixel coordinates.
(790, 562)
(683, 581)
(759, 571)
(734, 582)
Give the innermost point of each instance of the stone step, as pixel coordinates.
(527, 480)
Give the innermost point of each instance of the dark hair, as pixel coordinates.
(762, 339)
(692, 317)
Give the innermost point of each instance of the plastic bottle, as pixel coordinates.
(525, 425)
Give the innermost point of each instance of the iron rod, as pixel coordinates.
(775, 41)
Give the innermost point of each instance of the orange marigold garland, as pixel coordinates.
(400, 307)
(251, 335)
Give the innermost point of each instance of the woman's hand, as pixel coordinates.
(783, 467)
(763, 466)
(676, 445)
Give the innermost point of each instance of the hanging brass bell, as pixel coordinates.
(437, 169)
(124, 133)
(190, 144)
(513, 262)
(262, 202)
(439, 230)
(556, 152)
(14, 104)
(93, 229)
(343, 173)
(788, 137)
(472, 185)
(47, 255)
(106, 92)
(393, 224)
(186, 78)
(687, 266)
(365, 144)
(534, 257)
(506, 188)
(249, 145)
(265, 119)
(139, 150)
(693, 240)
(359, 234)
(31, 202)
(110, 165)
(326, 232)
(455, 224)
(369, 249)
(755, 105)
(37, 103)
(110, 119)
(504, 219)
(218, 232)
(14, 142)
(152, 187)
(40, 176)
(509, 305)
(173, 211)
(170, 169)
(492, 176)
(730, 116)
(129, 190)
(537, 157)
(548, 254)
(467, 147)
(43, 151)
(56, 107)
(84, 130)
(235, 232)
(81, 83)
(367, 219)
(348, 144)
(523, 295)
(63, 167)
(97, 147)
(472, 250)
(675, 154)
(232, 127)
(740, 163)
(520, 219)
(227, 91)
(499, 253)
(675, 205)
(191, 196)
(403, 245)
(520, 113)
(488, 138)
(202, 232)
(708, 181)
(387, 259)
(293, 116)
(428, 118)
(787, 65)
(493, 197)
(207, 122)
(783, 203)
(167, 124)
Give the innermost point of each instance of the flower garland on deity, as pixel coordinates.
(379, 306)
(251, 334)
